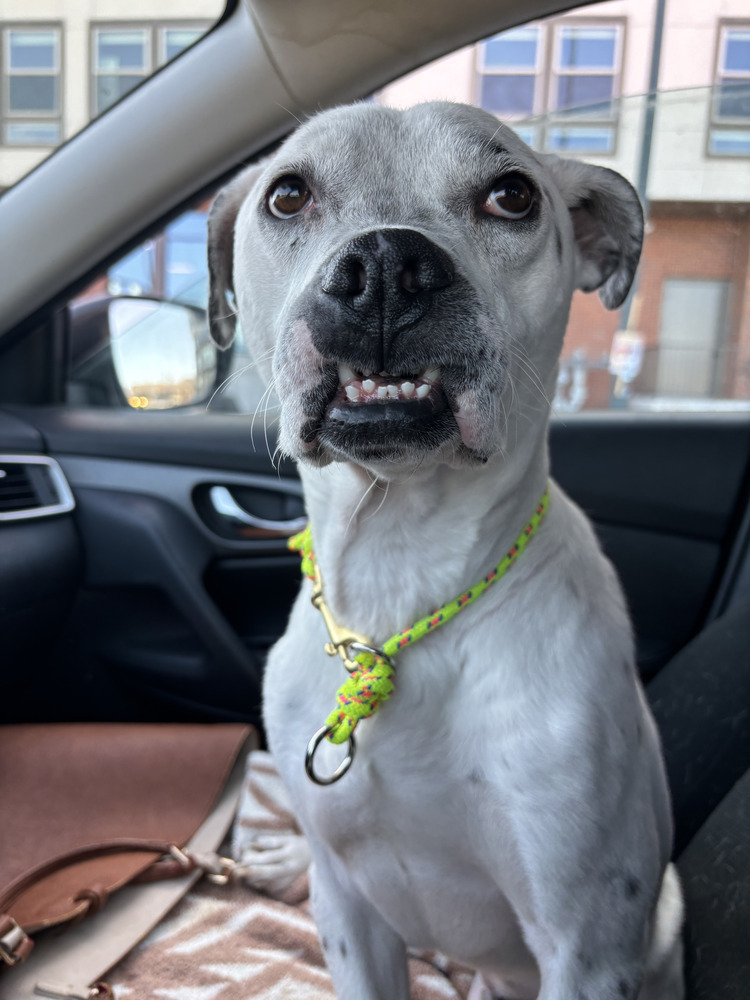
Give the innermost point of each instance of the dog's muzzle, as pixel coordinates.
(375, 287)
(370, 314)
(397, 329)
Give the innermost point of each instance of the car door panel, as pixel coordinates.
(40, 568)
(676, 472)
(666, 494)
(145, 636)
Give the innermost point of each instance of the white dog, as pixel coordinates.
(404, 279)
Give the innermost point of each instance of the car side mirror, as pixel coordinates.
(162, 353)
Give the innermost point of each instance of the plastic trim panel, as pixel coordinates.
(174, 484)
(66, 501)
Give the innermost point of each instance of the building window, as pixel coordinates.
(729, 134)
(583, 86)
(125, 55)
(31, 93)
(576, 89)
(510, 67)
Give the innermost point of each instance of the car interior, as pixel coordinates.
(144, 572)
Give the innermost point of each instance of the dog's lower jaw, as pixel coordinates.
(391, 465)
(467, 432)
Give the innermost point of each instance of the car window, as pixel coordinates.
(64, 63)
(568, 85)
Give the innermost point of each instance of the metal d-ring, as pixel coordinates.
(343, 767)
(362, 647)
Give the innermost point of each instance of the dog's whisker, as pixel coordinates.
(361, 501)
(527, 368)
(226, 383)
(268, 406)
(290, 113)
(278, 451)
(268, 390)
(233, 376)
(229, 315)
(523, 356)
(382, 501)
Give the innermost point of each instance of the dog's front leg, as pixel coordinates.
(604, 953)
(365, 956)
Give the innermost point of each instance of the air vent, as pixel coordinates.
(32, 486)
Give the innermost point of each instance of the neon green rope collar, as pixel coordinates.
(370, 680)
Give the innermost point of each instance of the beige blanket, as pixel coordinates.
(232, 943)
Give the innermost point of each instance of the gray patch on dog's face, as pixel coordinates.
(494, 330)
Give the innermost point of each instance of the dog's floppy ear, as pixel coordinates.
(222, 217)
(607, 223)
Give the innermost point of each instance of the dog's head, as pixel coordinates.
(404, 278)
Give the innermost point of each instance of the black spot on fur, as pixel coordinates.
(586, 961)
(558, 242)
(625, 989)
(342, 948)
(309, 431)
(475, 778)
(632, 888)
(324, 943)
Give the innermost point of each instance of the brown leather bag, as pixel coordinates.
(88, 808)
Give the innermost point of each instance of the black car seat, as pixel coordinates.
(701, 701)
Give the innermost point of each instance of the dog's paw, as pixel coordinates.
(479, 989)
(272, 862)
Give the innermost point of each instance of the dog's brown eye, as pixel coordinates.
(289, 197)
(510, 198)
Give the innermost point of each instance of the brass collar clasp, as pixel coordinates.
(341, 638)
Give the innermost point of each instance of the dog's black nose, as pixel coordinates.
(378, 285)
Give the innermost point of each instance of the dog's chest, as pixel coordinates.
(411, 816)
(420, 818)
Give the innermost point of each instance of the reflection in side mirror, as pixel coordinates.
(162, 353)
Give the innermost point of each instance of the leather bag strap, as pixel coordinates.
(85, 853)
(15, 943)
(66, 965)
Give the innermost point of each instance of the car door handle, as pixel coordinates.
(225, 505)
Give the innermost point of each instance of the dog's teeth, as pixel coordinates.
(346, 374)
(422, 391)
(382, 391)
(393, 391)
(431, 374)
(407, 389)
(368, 385)
(352, 392)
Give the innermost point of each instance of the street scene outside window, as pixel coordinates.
(658, 90)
